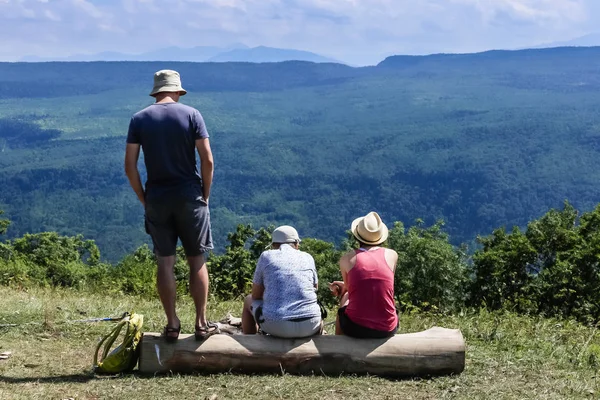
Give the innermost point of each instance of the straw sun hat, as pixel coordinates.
(167, 80)
(370, 229)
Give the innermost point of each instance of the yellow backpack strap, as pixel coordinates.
(124, 357)
(109, 339)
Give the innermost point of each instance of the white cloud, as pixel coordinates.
(358, 31)
(536, 11)
(88, 8)
(50, 15)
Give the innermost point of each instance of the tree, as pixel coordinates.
(502, 271)
(4, 224)
(551, 269)
(232, 272)
(327, 263)
(431, 274)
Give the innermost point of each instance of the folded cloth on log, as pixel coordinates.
(230, 325)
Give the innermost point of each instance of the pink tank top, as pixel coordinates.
(371, 292)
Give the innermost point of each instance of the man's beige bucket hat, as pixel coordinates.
(167, 80)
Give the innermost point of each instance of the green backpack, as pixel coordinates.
(124, 357)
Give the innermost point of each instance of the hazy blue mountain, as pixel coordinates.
(234, 52)
(269, 54)
(173, 53)
(103, 56)
(592, 39)
(197, 54)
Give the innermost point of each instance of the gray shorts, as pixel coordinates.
(286, 329)
(186, 218)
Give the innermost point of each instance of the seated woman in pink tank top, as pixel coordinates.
(367, 307)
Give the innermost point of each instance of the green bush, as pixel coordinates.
(431, 274)
(73, 274)
(551, 269)
(48, 248)
(136, 273)
(327, 263)
(6, 251)
(502, 274)
(50, 259)
(4, 223)
(20, 273)
(231, 273)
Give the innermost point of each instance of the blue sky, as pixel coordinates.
(356, 31)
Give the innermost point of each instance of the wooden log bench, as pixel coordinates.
(436, 351)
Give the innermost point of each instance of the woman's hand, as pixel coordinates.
(337, 288)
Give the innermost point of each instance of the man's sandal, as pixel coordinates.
(169, 330)
(204, 332)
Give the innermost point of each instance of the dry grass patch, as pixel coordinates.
(508, 357)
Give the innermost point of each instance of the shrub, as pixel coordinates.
(73, 274)
(4, 223)
(49, 248)
(231, 273)
(136, 273)
(327, 263)
(502, 274)
(431, 274)
(50, 259)
(551, 269)
(19, 272)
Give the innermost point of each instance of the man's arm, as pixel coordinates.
(258, 283)
(207, 166)
(257, 291)
(132, 155)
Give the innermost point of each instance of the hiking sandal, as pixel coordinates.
(202, 333)
(168, 330)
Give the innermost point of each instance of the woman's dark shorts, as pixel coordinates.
(186, 218)
(358, 331)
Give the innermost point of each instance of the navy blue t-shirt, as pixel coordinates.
(167, 133)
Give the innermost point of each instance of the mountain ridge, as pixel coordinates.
(479, 140)
(589, 40)
(233, 53)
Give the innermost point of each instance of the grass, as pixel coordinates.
(508, 356)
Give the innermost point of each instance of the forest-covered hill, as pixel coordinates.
(481, 140)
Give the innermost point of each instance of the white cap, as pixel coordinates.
(285, 234)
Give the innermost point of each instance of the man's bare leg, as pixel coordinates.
(248, 323)
(199, 287)
(167, 289)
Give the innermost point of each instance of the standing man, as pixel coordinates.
(176, 194)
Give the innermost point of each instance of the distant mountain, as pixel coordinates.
(173, 53)
(197, 54)
(103, 56)
(270, 54)
(235, 52)
(489, 60)
(590, 40)
(479, 140)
